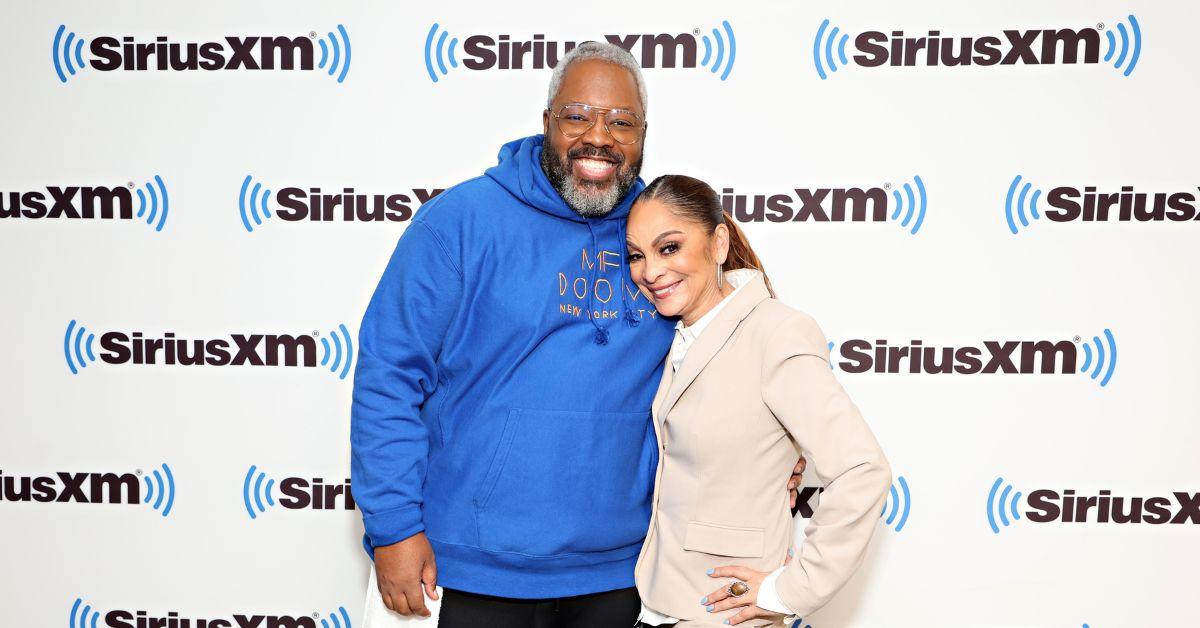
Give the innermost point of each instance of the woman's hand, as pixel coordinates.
(720, 599)
(794, 482)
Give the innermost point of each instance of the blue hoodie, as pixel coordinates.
(502, 393)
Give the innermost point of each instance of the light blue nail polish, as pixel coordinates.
(727, 621)
(704, 600)
(791, 552)
(710, 571)
(709, 608)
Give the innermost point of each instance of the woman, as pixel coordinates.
(746, 387)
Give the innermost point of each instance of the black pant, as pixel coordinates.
(611, 609)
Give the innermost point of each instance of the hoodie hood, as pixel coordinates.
(519, 171)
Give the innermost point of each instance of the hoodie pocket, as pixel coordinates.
(564, 482)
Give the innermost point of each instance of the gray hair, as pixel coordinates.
(604, 51)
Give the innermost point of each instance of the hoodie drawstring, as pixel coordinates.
(601, 337)
(630, 319)
(601, 332)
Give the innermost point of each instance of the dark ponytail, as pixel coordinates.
(695, 201)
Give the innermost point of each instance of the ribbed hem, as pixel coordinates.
(508, 574)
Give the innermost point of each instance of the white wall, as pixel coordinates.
(771, 126)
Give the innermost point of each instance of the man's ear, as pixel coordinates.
(545, 122)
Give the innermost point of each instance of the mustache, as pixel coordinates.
(595, 152)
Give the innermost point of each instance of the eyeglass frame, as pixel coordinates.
(605, 111)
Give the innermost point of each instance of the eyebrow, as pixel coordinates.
(663, 235)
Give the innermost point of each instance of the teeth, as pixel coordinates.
(595, 165)
(658, 294)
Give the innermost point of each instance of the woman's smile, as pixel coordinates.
(664, 292)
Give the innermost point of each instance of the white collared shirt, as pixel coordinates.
(685, 336)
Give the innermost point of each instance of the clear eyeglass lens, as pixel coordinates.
(575, 120)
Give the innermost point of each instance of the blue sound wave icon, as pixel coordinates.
(1129, 36)
(158, 203)
(66, 53)
(897, 505)
(258, 199)
(1002, 506)
(824, 45)
(333, 620)
(85, 617)
(256, 492)
(441, 53)
(1102, 359)
(77, 347)
(332, 353)
(1016, 204)
(912, 204)
(720, 62)
(335, 51)
(160, 488)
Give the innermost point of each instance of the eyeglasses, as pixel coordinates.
(575, 119)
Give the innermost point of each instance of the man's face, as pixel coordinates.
(593, 172)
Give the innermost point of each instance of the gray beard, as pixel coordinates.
(584, 197)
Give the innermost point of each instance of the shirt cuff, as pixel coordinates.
(768, 598)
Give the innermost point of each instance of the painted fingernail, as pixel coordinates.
(791, 551)
(708, 608)
(726, 621)
(704, 600)
(710, 571)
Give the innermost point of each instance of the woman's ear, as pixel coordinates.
(721, 244)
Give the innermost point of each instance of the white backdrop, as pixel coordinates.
(771, 126)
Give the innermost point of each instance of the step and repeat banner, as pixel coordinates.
(991, 208)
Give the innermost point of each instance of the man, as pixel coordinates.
(501, 415)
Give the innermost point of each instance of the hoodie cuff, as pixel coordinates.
(393, 526)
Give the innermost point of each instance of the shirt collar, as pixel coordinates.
(736, 278)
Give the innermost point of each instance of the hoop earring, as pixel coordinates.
(720, 277)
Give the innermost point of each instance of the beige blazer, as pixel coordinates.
(752, 392)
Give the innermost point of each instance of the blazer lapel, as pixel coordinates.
(710, 342)
(664, 385)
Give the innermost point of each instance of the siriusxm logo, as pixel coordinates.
(834, 205)
(83, 615)
(299, 204)
(94, 488)
(1012, 47)
(337, 350)
(91, 203)
(895, 509)
(994, 356)
(264, 52)
(1072, 204)
(502, 52)
(258, 493)
(1052, 506)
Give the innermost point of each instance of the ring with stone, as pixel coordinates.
(738, 588)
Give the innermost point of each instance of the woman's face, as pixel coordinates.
(674, 261)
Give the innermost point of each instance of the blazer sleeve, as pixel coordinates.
(800, 389)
